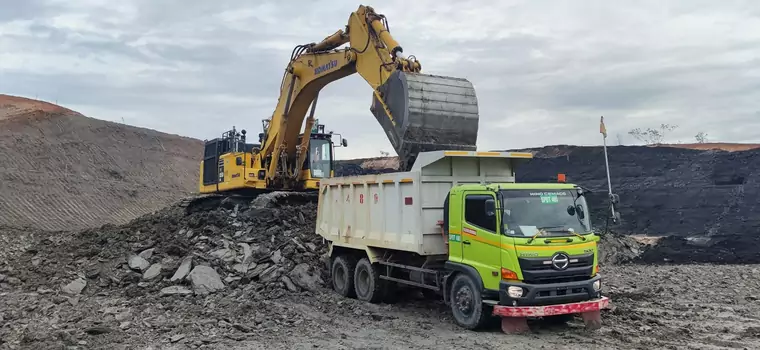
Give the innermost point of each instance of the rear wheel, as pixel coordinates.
(467, 303)
(367, 282)
(342, 272)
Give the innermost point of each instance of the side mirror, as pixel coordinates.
(344, 142)
(570, 210)
(580, 212)
(490, 207)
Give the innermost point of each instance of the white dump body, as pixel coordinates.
(401, 211)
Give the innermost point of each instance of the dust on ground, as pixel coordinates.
(228, 273)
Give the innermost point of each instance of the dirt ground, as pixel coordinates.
(114, 287)
(664, 307)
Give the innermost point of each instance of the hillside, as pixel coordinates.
(63, 171)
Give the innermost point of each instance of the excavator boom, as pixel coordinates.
(418, 112)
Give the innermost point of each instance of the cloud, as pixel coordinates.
(544, 71)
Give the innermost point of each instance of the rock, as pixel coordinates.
(75, 287)
(97, 330)
(138, 263)
(147, 253)
(258, 270)
(152, 272)
(240, 268)
(123, 316)
(224, 254)
(277, 257)
(183, 270)
(175, 290)
(247, 253)
(301, 276)
(289, 284)
(176, 338)
(92, 272)
(298, 244)
(205, 280)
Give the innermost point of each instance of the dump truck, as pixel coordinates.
(458, 226)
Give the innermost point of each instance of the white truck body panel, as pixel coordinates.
(401, 211)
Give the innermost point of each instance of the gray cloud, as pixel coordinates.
(544, 71)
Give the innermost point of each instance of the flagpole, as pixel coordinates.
(603, 131)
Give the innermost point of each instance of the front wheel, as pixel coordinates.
(467, 303)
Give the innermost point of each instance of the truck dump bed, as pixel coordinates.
(401, 211)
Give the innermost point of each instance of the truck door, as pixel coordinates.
(481, 243)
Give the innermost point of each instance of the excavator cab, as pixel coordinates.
(228, 161)
(320, 160)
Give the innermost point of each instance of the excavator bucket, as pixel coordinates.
(427, 113)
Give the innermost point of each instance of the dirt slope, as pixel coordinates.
(64, 171)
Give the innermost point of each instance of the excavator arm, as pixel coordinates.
(418, 112)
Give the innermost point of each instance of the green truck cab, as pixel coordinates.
(519, 244)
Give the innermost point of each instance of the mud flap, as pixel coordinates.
(592, 319)
(514, 325)
(427, 113)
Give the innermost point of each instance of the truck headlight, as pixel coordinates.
(597, 285)
(515, 292)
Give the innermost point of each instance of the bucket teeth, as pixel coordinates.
(427, 113)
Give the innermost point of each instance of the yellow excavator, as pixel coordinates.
(418, 113)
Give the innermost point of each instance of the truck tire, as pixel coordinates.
(367, 282)
(467, 303)
(342, 275)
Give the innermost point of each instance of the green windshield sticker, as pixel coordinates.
(550, 199)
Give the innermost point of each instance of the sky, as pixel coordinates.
(544, 71)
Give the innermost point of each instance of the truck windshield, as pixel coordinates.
(528, 211)
(320, 158)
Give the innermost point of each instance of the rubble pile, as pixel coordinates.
(214, 244)
(228, 251)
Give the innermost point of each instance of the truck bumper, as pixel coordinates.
(514, 318)
(549, 294)
(551, 310)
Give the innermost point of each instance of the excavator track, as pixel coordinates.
(260, 199)
(427, 113)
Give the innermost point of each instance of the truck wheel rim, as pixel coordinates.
(464, 300)
(340, 277)
(363, 279)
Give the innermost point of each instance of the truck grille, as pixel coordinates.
(541, 271)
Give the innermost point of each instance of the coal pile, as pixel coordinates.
(663, 190)
(703, 201)
(368, 166)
